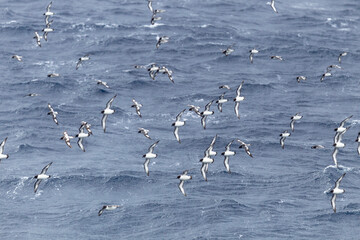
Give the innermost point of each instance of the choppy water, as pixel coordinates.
(278, 194)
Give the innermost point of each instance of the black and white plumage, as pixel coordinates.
(80, 137)
(107, 111)
(317, 147)
(332, 66)
(87, 127)
(195, 109)
(163, 39)
(341, 127)
(342, 55)
(38, 38)
(238, 99)
(99, 82)
(300, 78)
(283, 136)
(276, 57)
(226, 155)
(245, 146)
(53, 75)
(48, 12)
(145, 132)
(228, 51)
(220, 101)
(294, 118)
(252, 52)
(137, 107)
(149, 155)
(2, 146)
(178, 123)
(154, 19)
(53, 114)
(327, 74)
(335, 191)
(183, 177)
(107, 207)
(17, 57)
(206, 113)
(66, 138)
(224, 86)
(41, 176)
(81, 60)
(338, 135)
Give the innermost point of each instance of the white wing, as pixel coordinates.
(238, 90)
(226, 164)
(337, 183)
(179, 115)
(237, 104)
(176, 133)
(282, 139)
(292, 125)
(146, 166)
(81, 146)
(203, 171)
(334, 156)
(108, 104)
(36, 186)
(2, 146)
(181, 187)
(151, 148)
(103, 122)
(207, 107)
(203, 121)
(333, 202)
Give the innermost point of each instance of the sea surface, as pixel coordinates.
(277, 194)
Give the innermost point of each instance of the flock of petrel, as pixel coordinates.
(153, 70)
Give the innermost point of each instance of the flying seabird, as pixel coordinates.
(209, 150)
(163, 39)
(220, 101)
(17, 57)
(252, 52)
(2, 155)
(107, 111)
(150, 6)
(148, 156)
(227, 154)
(41, 176)
(137, 107)
(224, 86)
(99, 82)
(195, 109)
(228, 51)
(294, 118)
(206, 113)
(183, 177)
(245, 146)
(66, 138)
(317, 147)
(341, 128)
(81, 59)
(272, 4)
(145, 132)
(299, 78)
(328, 69)
(277, 58)
(178, 123)
(38, 37)
(32, 95)
(238, 99)
(53, 114)
(53, 75)
(335, 191)
(48, 12)
(327, 74)
(80, 137)
(205, 164)
(284, 135)
(338, 135)
(154, 19)
(107, 207)
(342, 55)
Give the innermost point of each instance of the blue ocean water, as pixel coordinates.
(278, 194)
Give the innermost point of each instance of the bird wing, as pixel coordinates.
(81, 146)
(103, 122)
(344, 121)
(146, 166)
(2, 145)
(108, 104)
(237, 104)
(227, 148)
(203, 170)
(36, 185)
(181, 187)
(282, 139)
(48, 7)
(226, 163)
(101, 210)
(238, 90)
(203, 121)
(334, 156)
(176, 133)
(179, 115)
(44, 170)
(333, 202)
(151, 148)
(207, 107)
(292, 125)
(78, 63)
(337, 183)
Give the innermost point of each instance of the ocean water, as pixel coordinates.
(278, 194)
